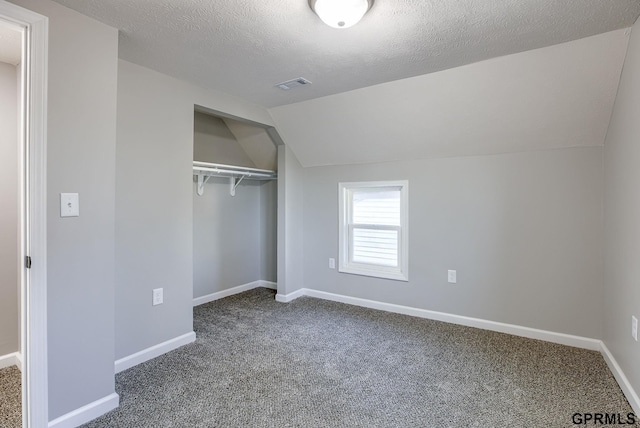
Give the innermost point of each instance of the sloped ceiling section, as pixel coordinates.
(554, 97)
(214, 142)
(231, 142)
(256, 143)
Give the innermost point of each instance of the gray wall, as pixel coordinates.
(154, 202)
(233, 236)
(622, 218)
(80, 158)
(153, 209)
(226, 236)
(291, 187)
(522, 230)
(9, 216)
(269, 231)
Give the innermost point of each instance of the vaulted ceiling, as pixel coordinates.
(245, 47)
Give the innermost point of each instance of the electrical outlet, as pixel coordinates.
(451, 276)
(634, 328)
(158, 296)
(332, 263)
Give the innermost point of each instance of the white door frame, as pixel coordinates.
(33, 150)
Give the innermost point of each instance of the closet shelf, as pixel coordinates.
(205, 170)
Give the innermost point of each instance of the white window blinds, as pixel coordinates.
(375, 226)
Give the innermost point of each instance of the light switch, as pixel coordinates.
(158, 296)
(69, 205)
(451, 276)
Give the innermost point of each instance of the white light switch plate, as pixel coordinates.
(634, 327)
(158, 297)
(69, 205)
(451, 276)
(332, 263)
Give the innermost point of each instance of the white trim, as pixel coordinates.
(346, 225)
(233, 290)
(86, 413)
(34, 209)
(19, 361)
(268, 284)
(13, 359)
(625, 385)
(516, 330)
(286, 298)
(153, 352)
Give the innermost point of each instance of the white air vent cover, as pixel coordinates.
(293, 83)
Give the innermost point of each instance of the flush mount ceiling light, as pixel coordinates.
(340, 13)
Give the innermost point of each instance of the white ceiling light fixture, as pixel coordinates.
(340, 13)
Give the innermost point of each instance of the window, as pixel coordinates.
(373, 230)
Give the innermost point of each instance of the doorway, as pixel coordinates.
(23, 75)
(10, 226)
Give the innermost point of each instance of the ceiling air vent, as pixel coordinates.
(293, 83)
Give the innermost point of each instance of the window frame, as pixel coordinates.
(345, 227)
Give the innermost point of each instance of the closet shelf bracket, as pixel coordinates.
(202, 180)
(233, 184)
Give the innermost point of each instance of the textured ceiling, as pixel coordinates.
(10, 45)
(245, 47)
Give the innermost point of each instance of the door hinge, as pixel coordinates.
(27, 262)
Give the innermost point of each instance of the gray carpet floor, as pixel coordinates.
(10, 397)
(314, 363)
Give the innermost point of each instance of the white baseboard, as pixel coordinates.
(516, 330)
(233, 290)
(86, 413)
(268, 284)
(13, 359)
(286, 298)
(625, 385)
(19, 360)
(153, 351)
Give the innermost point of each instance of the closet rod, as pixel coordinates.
(206, 170)
(237, 171)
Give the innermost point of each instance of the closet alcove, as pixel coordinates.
(234, 206)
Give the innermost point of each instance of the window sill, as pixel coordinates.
(396, 276)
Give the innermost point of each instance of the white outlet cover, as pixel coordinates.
(332, 263)
(451, 276)
(634, 327)
(157, 296)
(69, 205)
